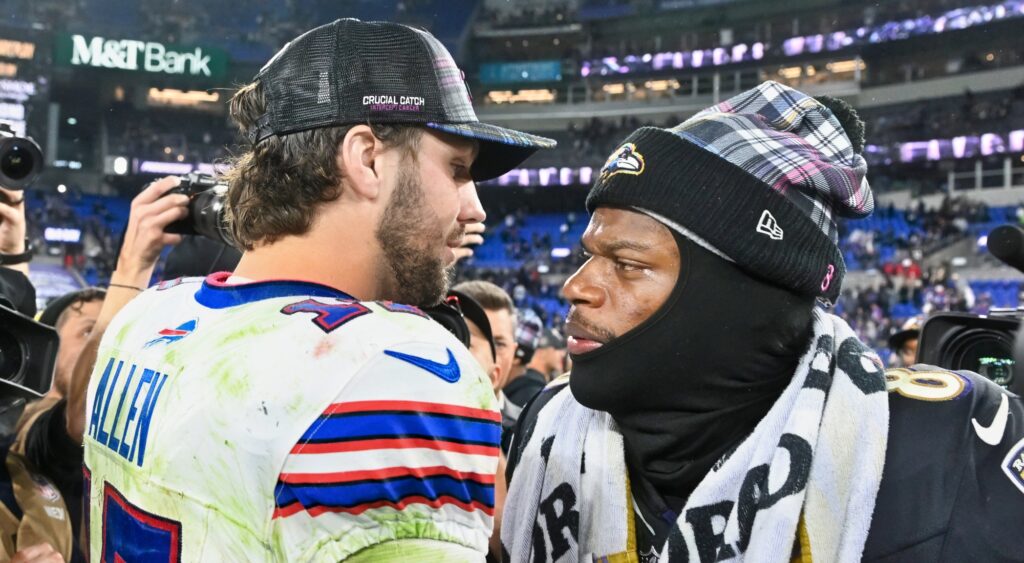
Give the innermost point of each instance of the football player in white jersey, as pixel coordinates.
(303, 408)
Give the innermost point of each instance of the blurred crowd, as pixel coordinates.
(589, 142)
(148, 140)
(877, 311)
(923, 231)
(967, 114)
(96, 249)
(534, 281)
(864, 23)
(516, 15)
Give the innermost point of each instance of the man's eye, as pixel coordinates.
(626, 266)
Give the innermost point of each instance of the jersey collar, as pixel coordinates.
(217, 293)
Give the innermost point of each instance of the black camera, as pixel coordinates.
(28, 355)
(982, 344)
(205, 208)
(991, 344)
(21, 161)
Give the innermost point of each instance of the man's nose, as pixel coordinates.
(471, 210)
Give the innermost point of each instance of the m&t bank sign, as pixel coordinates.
(140, 56)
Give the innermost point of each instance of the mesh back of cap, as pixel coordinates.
(355, 72)
(297, 82)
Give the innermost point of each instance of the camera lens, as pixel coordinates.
(20, 162)
(206, 211)
(992, 358)
(11, 357)
(987, 352)
(16, 164)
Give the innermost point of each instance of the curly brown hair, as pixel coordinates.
(276, 187)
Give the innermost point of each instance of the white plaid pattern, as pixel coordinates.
(791, 142)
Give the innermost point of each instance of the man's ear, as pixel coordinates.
(357, 161)
(496, 375)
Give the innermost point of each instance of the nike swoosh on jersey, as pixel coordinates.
(993, 433)
(449, 372)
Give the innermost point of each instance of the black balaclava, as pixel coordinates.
(688, 384)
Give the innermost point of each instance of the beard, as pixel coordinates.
(412, 272)
(574, 318)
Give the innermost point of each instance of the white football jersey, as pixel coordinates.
(281, 420)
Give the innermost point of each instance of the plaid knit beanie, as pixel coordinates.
(756, 179)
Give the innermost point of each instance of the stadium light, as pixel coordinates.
(62, 234)
(160, 167)
(965, 146)
(120, 165)
(181, 98)
(849, 65)
(957, 18)
(530, 96)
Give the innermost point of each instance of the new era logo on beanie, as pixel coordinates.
(768, 226)
(759, 178)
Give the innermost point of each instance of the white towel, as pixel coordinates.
(808, 473)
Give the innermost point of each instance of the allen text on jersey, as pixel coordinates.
(123, 408)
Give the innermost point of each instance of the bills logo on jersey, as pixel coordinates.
(168, 284)
(171, 335)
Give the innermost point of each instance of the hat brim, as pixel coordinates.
(51, 314)
(501, 149)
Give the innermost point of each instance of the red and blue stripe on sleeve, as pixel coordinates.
(370, 454)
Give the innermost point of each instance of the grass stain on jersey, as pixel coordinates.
(248, 327)
(414, 522)
(480, 391)
(227, 379)
(171, 356)
(121, 335)
(298, 405)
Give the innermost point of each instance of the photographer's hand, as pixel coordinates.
(473, 237)
(40, 553)
(143, 241)
(12, 225)
(145, 238)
